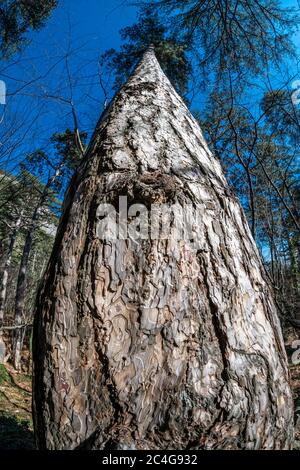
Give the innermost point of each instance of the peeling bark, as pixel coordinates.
(154, 345)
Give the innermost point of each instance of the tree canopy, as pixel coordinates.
(17, 18)
(170, 50)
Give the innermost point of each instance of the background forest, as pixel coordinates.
(236, 63)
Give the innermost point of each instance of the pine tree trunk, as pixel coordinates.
(157, 343)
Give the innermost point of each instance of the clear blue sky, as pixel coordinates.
(86, 28)
(94, 21)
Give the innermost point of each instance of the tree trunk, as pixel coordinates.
(157, 342)
(21, 281)
(20, 298)
(3, 287)
(4, 281)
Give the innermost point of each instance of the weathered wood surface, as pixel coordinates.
(154, 345)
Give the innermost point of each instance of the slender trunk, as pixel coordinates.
(42, 269)
(33, 264)
(152, 339)
(3, 239)
(251, 203)
(4, 281)
(272, 239)
(246, 167)
(295, 281)
(21, 281)
(1, 251)
(20, 296)
(295, 271)
(5, 273)
(271, 245)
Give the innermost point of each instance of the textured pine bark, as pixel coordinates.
(150, 345)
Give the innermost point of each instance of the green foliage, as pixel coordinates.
(35, 196)
(170, 51)
(282, 116)
(17, 195)
(241, 36)
(260, 153)
(16, 429)
(67, 147)
(63, 154)
(4, 375)
(20, 195)
(17, 17)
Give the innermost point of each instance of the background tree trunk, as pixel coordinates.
(5, 273)
(155, 345)
(4, 281)
(21, 281)
(20, 299)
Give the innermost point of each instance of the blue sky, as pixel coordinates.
(37, 81)
(93, 22)
(84, 28)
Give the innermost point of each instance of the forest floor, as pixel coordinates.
(295, 383)
(291, 339)
(16, 429)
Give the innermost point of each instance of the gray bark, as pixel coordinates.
(154, 345)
